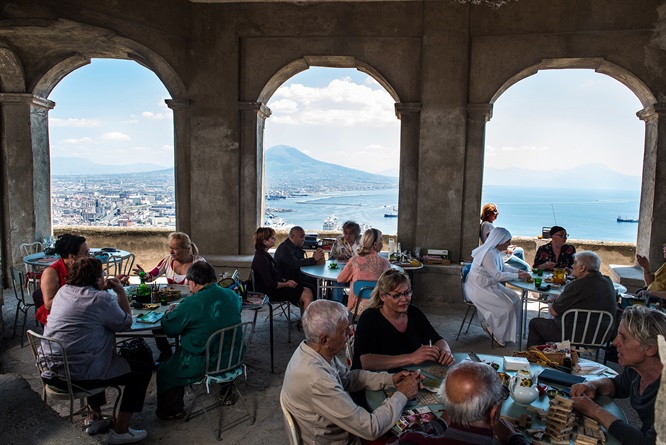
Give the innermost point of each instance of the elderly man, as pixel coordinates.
(290, 257)
(590, 290)
(472, 395)
(316, 384)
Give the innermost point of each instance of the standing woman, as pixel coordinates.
(70, 248)
(367, 265)
(499, 306)
(557, 253)
(182, 253)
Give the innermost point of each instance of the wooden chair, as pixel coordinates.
(51, 356)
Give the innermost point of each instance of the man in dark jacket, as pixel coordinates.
(290, 257)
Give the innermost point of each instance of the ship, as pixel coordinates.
(391, 215)
(620, 218)
(331, 223)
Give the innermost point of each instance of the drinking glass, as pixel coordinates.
(537, 282)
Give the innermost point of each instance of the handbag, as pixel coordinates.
(136, 349)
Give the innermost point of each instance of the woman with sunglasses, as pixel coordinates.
(392, 333)
(513, 255)
(367, 265)
(557, 253)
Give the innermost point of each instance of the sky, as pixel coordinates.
(113, 112)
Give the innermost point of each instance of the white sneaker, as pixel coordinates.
(131, 436)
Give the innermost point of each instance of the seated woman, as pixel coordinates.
(556, 253)
(392, 333)
(367, 265)
(655, 282)
(316, 384)
(513, 255)
(211, 308)
(267, 277)
(70, 248)
(346, 245)
(182, 253)
(85, 317)
(498, 306)
(638, 353)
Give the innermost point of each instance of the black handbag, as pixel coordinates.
(136, 349)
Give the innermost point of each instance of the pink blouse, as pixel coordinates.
(366, 268)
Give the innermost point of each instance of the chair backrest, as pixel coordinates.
(18, 283)
(118, 265)
(363, 291)
(30, 248)
(290, 424)
(463, 278)
(50, 356)
(226, 348)
(584, 327)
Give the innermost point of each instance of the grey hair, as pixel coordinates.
(487, 392)
(323, 317)
(589, 259)
(644, 324)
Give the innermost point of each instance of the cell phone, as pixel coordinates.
(474, 357)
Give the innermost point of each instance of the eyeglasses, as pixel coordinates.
(566, 235)
(407, 294)
(504, 394)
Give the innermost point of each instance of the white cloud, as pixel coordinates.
(284, 106)
(76, 123)
(522, 148)
(155, 116)
(115, 136)
(78, 141)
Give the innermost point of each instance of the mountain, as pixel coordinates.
(290, 168)
(64, 166)
(588, 176)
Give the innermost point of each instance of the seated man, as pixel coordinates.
(638, 353)
(590, 290)
(211, 308)
(472, 395)
(655, 282)
(290, 257)
(316, 385)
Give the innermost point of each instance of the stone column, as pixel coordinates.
(253, 120)
(409, 115)
(652, 216)
(477, 116)
(182, 151)
(26, 172)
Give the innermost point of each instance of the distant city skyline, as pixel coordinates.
(554, 119)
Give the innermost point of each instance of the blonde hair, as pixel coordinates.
(487, 210)
(370, 237)
(389, 280)
(184, 241)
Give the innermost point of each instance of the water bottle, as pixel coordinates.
(391, 250)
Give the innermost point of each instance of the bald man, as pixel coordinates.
(472, 395)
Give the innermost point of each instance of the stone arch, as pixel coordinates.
(12, 77)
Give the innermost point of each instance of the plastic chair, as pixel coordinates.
(591, 329)
(226, 349)
(22, 303)
(463, 278)
(51, 356)
(363, 291)
(293, 433)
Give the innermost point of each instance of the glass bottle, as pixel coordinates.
(143, 291)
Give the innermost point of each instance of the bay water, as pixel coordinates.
(585, 213)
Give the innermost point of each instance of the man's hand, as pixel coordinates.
(525, 276)
(291, 283)
(425, 353)
(445, 357)
(407, 384)
(583, 389)
(115, 284)
(549, 265)
(318, 255)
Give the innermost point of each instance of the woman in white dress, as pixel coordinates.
(498, 306)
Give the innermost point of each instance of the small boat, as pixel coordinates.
(390, 215)
(629, 220)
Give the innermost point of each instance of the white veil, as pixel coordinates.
(497, 236)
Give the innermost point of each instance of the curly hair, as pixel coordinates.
(68, 244)
(644, 324)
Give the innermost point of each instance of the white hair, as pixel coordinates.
(323, 317)
(590, 260)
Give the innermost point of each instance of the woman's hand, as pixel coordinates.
(114, 284)
(583, 389)
(446, 358)
(643, 261)
(548, 265)
(425, 353)
(525, 276)
(138, 269)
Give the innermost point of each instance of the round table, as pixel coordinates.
(40, 259)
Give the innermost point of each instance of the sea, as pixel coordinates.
(589, 214)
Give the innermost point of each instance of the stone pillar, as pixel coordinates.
(253, 117)
(408, 113)
(182, 151)
(26, 173)
(477, 116)
(652, 216)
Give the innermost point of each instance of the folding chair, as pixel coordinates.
(283, 306)
(463, 278)
(23, 303)
(33, 274)
(225, 362)
(293, 432)
(51, 356)
(591, 329)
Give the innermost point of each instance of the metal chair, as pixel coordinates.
(591, 329)
(463, 277)
(33, 274)
(225, 362)
(118, 265)
(283, 306)
(51, 356)
(293, 433)
(23, 303)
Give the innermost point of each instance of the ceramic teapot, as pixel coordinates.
(523, 388)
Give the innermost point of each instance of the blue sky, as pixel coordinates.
(113, 112)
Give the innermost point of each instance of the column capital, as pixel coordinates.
(652, 112)
(407, 108)
(479, 112)
(26, 99)
(256, 107)
(178, 104)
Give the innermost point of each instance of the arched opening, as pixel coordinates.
(331, 152)
(565, 148)
(112, 159)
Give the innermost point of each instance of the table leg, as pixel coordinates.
(523, 318)
(270, 325)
